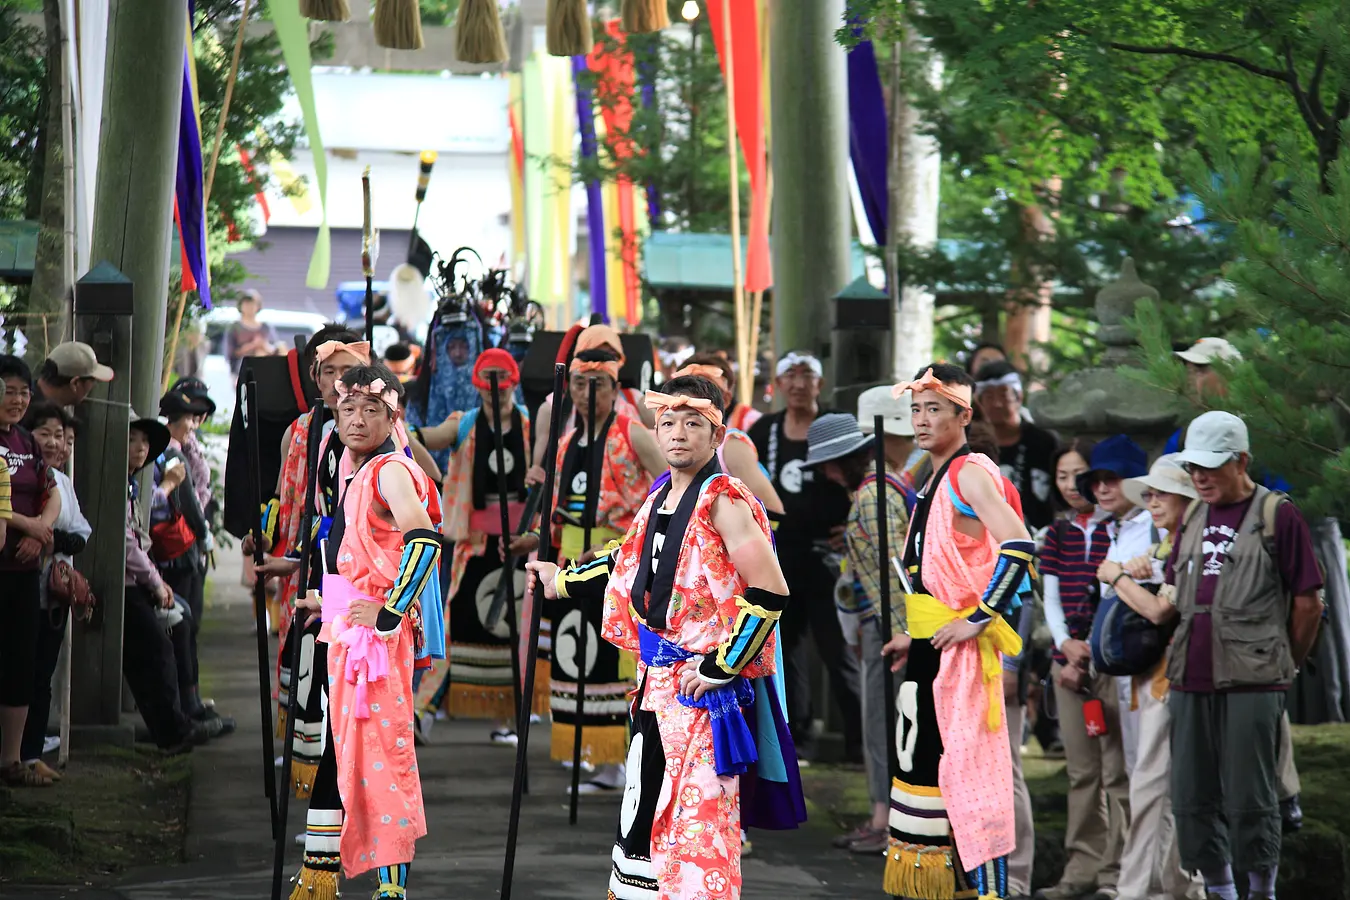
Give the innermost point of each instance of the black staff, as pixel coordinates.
(508, 564)
(312, 442)
(884, 566)
(536, 609)
(588, 515)
(250, 405)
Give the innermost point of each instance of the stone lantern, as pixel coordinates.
(1100, 402)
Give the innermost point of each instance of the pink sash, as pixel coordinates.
(367, 653)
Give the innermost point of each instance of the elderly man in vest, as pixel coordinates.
(1246, 586)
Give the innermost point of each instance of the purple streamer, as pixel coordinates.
(646, 67)
(595, 209)
(868, 143)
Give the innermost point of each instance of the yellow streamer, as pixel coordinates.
(926, 615)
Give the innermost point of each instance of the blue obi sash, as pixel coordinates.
(733, 745)
(433, 618)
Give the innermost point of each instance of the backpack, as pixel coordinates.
(1122, 641)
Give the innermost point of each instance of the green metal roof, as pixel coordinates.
(860, 289)
(18, 249)
(696, 261)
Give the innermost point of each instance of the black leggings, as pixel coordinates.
(148, 662)
(51, 634)
(20, 601)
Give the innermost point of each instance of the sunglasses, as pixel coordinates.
(1193, 468)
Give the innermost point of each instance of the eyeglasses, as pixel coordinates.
(1193, 468)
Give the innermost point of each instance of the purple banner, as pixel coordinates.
(595, 204)
(868, 146)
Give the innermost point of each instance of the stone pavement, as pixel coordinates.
(467, 786)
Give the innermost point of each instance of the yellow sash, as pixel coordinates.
(925, 615)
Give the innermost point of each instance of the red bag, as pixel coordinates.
(1094, 718)
(171, 538)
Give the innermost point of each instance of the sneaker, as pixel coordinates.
(217, 725)
(534, 719)
(608, 780)
(300, 839)
(873, 843)
(1291, 814)
(747, 846)
(422, 731)
(51, 744)
(585, 766)
(279, 762)
(1066, 892)
(504, 736)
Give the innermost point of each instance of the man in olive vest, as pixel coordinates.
(1246, 586)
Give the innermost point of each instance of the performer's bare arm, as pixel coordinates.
(648, 453)
(421, 553)
(757, 612)
(1016, 553)
(543, 421)
(585, 581)
(741, 462)
(422, 457)
(439, 437)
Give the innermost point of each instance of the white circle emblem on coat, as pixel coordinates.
(565, 643)
(487, 590)
(579, 483)
(632, 789)
(507, 456)
(791, 476)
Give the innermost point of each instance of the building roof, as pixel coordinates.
(18, 249)
(696, 261)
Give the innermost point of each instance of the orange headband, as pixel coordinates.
(597, 336)
(715, 374)
(359, 349)
(957, 393)
(663, 402)
(607, 367)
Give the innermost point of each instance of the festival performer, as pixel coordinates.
(968, 559)
(630, 461)
(477, 681)
(329, 354)
(381, 614)
(696, 591)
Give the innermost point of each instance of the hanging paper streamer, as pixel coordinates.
(595, 213)
(293, 35)
(189, 206)
(867, 135)
(612, 63)
(749, 114)
(515, 164)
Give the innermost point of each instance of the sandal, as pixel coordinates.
(45, 771)
(19, 775)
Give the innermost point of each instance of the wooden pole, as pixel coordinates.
(737, 277)
(884, 601)
(210, 179)
(531, 652)
(594, 461)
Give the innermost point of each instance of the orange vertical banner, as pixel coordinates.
(749, 113)
(615, 83)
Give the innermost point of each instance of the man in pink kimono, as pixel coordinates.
(381, 611)
(967, 559)
(695, 590)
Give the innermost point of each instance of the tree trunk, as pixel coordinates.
(1031, 293)
(811, 218)
(45, 323)
(915, 174)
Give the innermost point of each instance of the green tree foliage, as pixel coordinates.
(1290, 224)
(22, 111)
(1083, 112)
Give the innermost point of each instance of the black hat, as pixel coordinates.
(156, 431)
(196, 389)
(178, 403)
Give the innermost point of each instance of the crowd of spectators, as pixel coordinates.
(168, 542)
(1177, 601)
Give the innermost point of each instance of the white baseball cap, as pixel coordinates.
(878, 401)
(1209, 350)
(1167, 476)
(1214, 439)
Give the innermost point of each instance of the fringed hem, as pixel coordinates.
(302, 778)
(311, 884)
(919, 872)
(472, 701)
(601, 745)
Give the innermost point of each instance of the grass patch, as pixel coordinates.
(115, 808)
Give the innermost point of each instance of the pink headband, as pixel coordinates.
(359, 349)
(716, 374)
(376, 389)
(957, 393)
(662, 402)
(608, 367)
